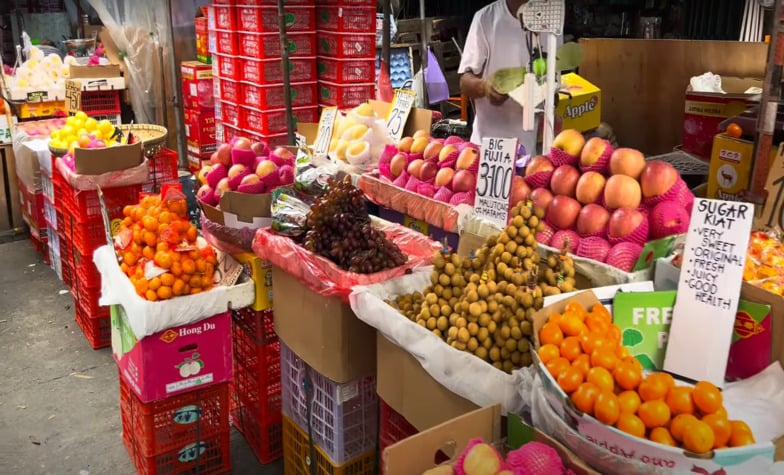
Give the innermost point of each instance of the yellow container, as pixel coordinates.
(583, 111)
(730, 167)
(30, 110)
(297, 459)
(261, 273)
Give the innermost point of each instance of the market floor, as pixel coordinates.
(59, 409)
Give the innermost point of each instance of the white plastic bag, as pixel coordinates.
(707, 82)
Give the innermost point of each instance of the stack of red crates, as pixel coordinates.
(162, 170)
(256, 388)
(346, 51)
(199, 110)
(246, 59)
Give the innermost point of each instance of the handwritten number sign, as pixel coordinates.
(324, 136)
(494, 182)
(73, 96)
(399, 112)
(709, 289)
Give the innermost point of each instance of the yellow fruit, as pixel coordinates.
(90, 124)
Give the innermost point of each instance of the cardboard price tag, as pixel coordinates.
(399, 112)
(228, 271)
(773, 211)
(324, 136)
(709, 289)
(73, 96)
(494, 181)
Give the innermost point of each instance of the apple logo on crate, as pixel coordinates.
(191, 366)
(187, 415)
(191, 452)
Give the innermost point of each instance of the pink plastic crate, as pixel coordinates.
(343, 417)
(345, 96)
(346, 45)
(273, 97)
(226, 42)
(346, 70)
(225, 17)
(230, 114)
(267, 45)
(346, 19)
(265, 19)
(227, 90)
(227, 66)
(269, 71)
(270, 122)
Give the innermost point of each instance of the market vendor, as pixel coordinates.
(496, 40)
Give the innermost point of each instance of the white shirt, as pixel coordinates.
(496, 41)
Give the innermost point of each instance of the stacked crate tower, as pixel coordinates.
(346, 52)
(199, 112)
(246, 57)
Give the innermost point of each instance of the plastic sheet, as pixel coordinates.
(324, 277)
(460, 372)
(130, 176)
(228, 240)
(435, 213)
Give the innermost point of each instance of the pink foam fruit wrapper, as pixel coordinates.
(623, 256)
(535, 458)
(545, 235)
(415, 156)
(638, 236)
(449, 161)
(462, 198)
(401, 180)
(271, 181)
(413, 183)
(565, 239)
(603, 164)
(751, 341)
(538, 180)
(668, 218)
(676, 193)
(594, 248)
(234, 182)
(443, 194)
(558, 157)
(426, 189)
(385, 159)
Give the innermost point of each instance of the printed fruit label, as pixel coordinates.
(644, 319)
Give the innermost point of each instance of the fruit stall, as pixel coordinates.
(353, 293)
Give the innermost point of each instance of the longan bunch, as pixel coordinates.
(557, 275)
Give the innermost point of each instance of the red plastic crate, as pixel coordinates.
(267, 45)
(274, 140)
(175, 422)
(353, 3)
(207, 457)
(32, 204)
(230, 114)
(41, 246)
(226, 132)
(269, 71)
(226, 42)
(345, 19)
(345, 96)
(88, 297)
(97, 328)
(265, 19)
(268, 2)
(225, 17)
(84, 237)
(227, 66)
(163, 170)
(271, 122)
(227, 90)
(86, 207)
(346, 45)
(273, 97)
(259, 324)
(344, 71)
(392, 428)
(101, 103)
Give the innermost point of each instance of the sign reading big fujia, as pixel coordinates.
(494, 181)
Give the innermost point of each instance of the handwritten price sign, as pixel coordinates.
(324, 136)
(73, 96)
(399, 112)
(494, 183)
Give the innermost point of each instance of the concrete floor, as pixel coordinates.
(59, 409)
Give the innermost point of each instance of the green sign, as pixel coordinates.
(644, 319)
(654, 250)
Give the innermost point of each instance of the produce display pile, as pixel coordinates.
(485, 304)
(765, 261)
(358, 137)
(81, 131)
(583, 351)
(45, 71)
(605, 204)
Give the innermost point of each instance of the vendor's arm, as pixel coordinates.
(473, 66)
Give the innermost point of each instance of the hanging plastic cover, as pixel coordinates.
(437, 87)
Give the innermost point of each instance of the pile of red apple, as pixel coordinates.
(441, 169)
(245, 167)
(604, 204)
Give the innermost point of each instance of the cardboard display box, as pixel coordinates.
(93, 72)
(201, 131)
(97, 161)
(241, 210)
(197, 85)
(260, 272)
(435, 233)
(731, 164)
(583, 110)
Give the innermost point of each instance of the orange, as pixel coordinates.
(148, 253)
(622, 353)
(570, 348)
(740, 426)
(130, 258)
(630, 401)
(201, 265)
(150, 238)
(177, 287)
(607, 409)
(186, 289)
(662, 436)
(614, 335)
(176, 268)
(601, 311)
(734, 130)
(679, 423)
(557, 366)
(127, 210)
(654, 413)
(150, 223)
(627, 376)
(188, 266)
(163, 259)
(698, 437)
(167, 279)
(574, 307)
(162, 247)
(551, 334)
(154, 283)
(596, 324)
(668, 379)
(601, 378)
(634, 362)
(151, 295)
(571, 325)
(631, 424)
(722, 430)
(679, 400)
(164, 292)
(141, 287)
(570, 379)
(195, 291)
(165, 217)
(191, 234)
(585, 397)
(125, 269)
(653, 387)
(583, 363)
(209, 270)
(548, 353)
(722, 412)
(195, 282)
(741, 434)
(590, 340)
(604, 358)
(707, 397)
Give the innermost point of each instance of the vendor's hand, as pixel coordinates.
(495, 97)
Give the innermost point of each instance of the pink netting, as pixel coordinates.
(127, 177)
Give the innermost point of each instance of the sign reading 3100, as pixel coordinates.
(494, 182)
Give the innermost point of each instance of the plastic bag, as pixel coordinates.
(289, 215)
(437, 87)
(324, 277)
(129, 176)
(225, 239)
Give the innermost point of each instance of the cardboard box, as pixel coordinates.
(583, 110)
(201, 131)
(407, 388)
(97, 161)
(731, 164)
(197, 86)
(322, 331)
(202, 45)
(196, 161)
(94, 72)
(261, 272)
(704, 111)
(175, 360)
(241, 210)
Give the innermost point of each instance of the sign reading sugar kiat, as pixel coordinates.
(494, 180)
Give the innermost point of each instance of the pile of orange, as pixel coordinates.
(159, 232)
(582, 350)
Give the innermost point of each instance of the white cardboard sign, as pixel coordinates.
(494, 180)
(708, 290)
(324, 136)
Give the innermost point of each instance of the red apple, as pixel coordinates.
(446, 152)
(592, 151)
(223, 155)
(463, 181)
(622, 191)
(590, 187)
(264, 168)
(250, 179)
(223, 186)
(242, 143)
(432, 150)
(214, 158)
(237, 170)
(592, 220)
(428, 171)
(415, 167)
(627, 161)
(468, 156)
(444, 177)
(202, 175)
(539, 163)
(284, 153)
(520, 191)
(398, 164)
(259, 148)
(563, 212)
(657, 178)
(564, 180)
(623, 222)
(541, 198)
(570, 141)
